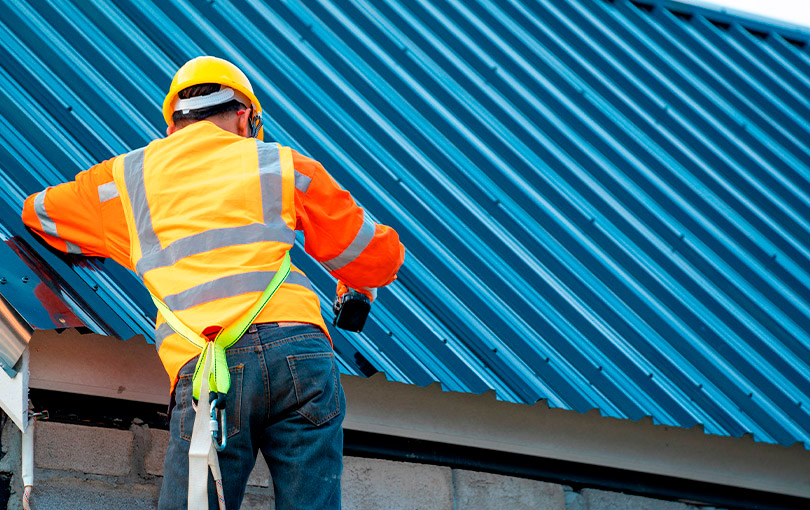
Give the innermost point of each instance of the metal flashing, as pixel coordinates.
(14, 336)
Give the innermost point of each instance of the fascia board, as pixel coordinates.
(380, 406)
(91, 364)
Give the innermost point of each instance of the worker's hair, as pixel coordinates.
(203, 89)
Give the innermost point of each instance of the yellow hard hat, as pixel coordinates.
(210, 70)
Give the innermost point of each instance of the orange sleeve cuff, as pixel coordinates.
(32, 221)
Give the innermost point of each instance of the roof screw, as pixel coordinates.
(25, 279)
(95, 287)
(2, 280)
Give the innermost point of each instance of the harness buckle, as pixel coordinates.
(218, 425)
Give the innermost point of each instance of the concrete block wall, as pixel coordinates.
(82, 467)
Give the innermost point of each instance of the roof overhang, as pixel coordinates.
(379, 406)
(95, 365)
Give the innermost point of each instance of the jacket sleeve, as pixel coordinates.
(83, 216)
(339, 234)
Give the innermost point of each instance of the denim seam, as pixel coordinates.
(233, 350)
(183, 435)
(311, 355)
(294, 372)
(292, 339)
(265, 381)
(240, 370)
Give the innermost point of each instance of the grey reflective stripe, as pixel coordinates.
(302, 182)
(270, 178)
(48, 225)
(106, 192)
(133, 178)
(355, 248)
(229, 286)
(212, 240)
(72, 248)
(162, 333)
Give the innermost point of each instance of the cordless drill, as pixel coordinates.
(351, 310)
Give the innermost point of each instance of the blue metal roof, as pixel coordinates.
(605, 203)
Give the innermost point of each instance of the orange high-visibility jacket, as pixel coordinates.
(204, 217)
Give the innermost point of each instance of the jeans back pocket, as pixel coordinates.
(316, 384)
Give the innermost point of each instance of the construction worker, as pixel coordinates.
(205, 217)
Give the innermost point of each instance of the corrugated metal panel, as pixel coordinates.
(605, 203)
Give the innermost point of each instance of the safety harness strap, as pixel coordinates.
(220, 378)
(201, 453)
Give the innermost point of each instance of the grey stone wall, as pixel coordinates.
(89, 468)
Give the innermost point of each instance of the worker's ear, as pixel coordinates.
(170, 129)
(242, 121)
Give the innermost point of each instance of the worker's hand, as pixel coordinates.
(369, 293)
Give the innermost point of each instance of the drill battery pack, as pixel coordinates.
(351, 311)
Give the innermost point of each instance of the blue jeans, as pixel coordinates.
(285, 400)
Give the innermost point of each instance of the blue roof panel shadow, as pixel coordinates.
(605, 203)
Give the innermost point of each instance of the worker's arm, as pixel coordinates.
(339, 234)
(83, 216)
